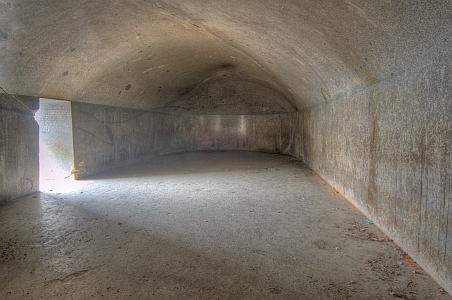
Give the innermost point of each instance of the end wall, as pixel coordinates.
(19, 147)
(109, 137)
(185, 132)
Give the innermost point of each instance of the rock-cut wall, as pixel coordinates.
(387, 149)
(19, 146)
(108, 137)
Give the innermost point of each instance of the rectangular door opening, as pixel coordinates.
(56, 151)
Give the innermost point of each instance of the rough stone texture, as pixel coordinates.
(145, 54)
(265, 133)
(19, 146)
(372, 79)
(200, 225)
(108, 137)
(388, 149)
(229, 97)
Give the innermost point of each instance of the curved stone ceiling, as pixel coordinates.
(214, 56)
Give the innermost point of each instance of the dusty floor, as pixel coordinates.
(201, 226)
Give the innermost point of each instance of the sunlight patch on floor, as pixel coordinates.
(53, 177)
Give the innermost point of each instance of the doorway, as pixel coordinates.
(56, 154)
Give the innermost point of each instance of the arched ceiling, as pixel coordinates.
(214, 56)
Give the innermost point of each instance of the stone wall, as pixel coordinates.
(109, 137)
(185, 132)
(387, 149)
(19, 146)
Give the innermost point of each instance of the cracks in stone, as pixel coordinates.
(115, 122)
(98, 138)
(15, 98)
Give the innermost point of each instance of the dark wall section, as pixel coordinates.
(388, 150)
(108, 137)
(19, 146)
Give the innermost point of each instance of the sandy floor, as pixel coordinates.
(201, 226)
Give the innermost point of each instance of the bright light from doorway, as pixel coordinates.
(56, 154)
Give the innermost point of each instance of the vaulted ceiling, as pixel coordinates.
(236, 56)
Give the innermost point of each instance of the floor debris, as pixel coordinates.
(265, 241)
